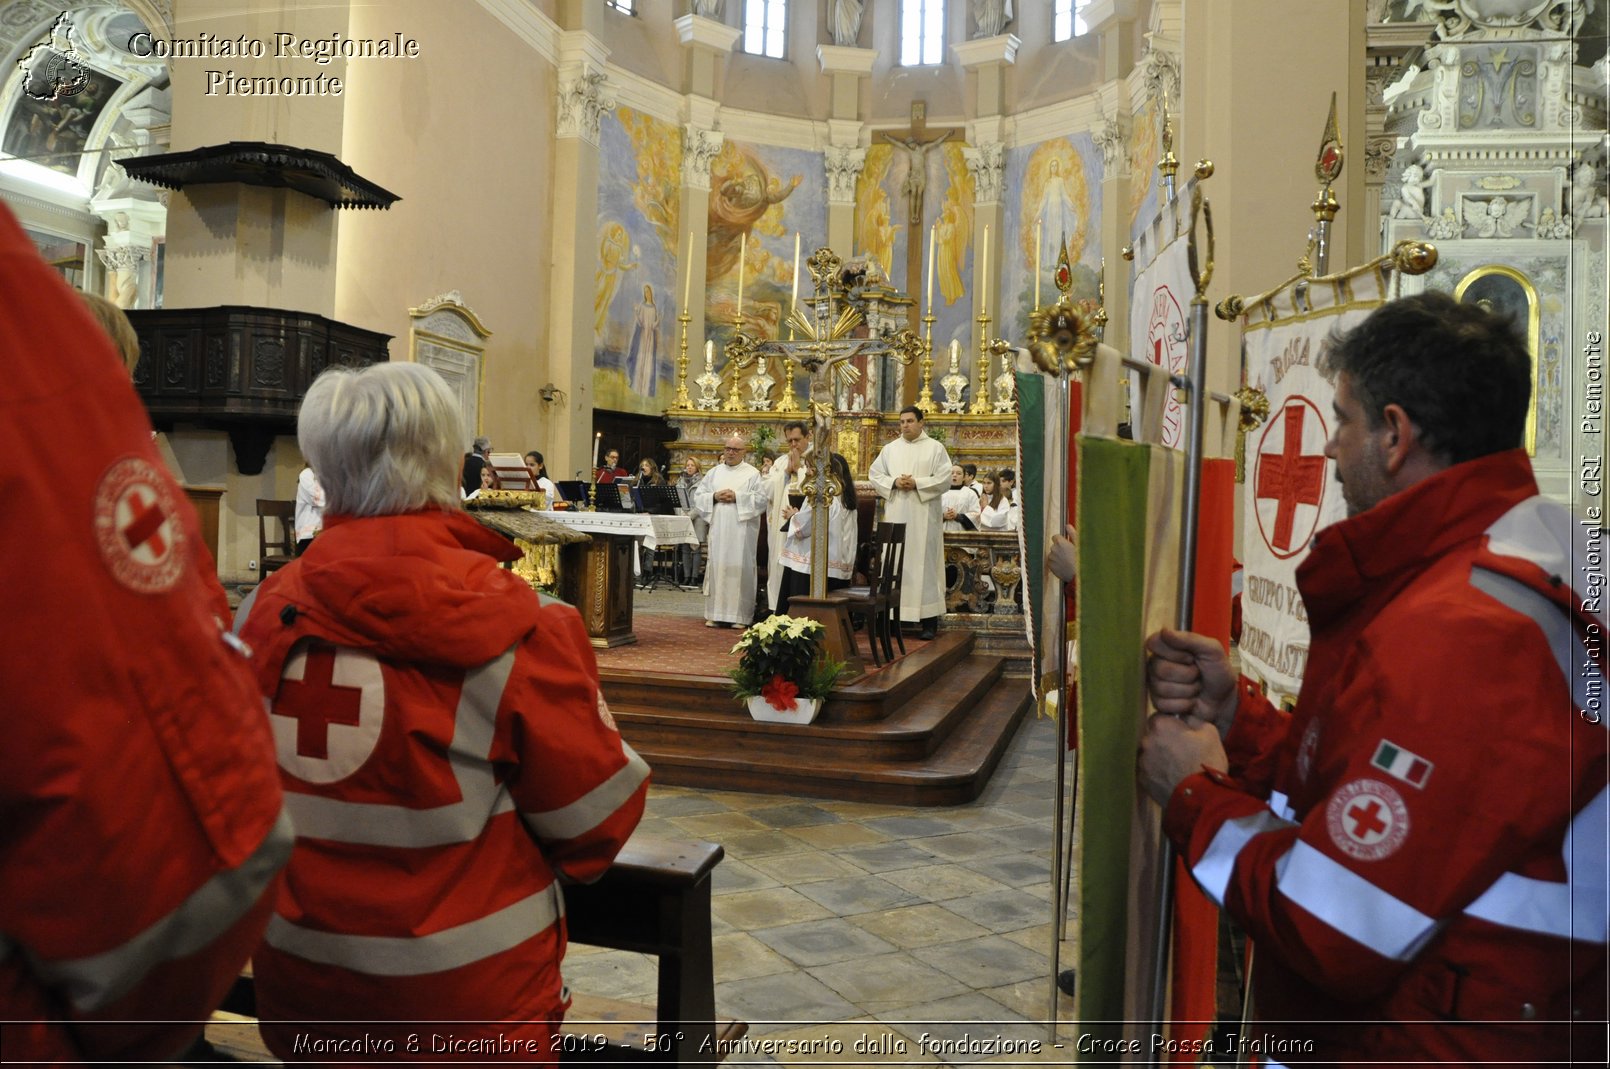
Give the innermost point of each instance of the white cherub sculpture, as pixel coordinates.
(1411, 202)
(1586, 201)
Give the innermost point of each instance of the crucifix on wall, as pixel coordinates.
(916, 143)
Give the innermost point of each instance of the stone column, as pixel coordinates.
(1114, 21)
(988, 59)
(584, 95)
(700, 147)
(132, 228)
(1254, 81)
(845, 155)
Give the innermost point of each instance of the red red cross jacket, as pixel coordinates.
(1432, 850)
(140, 813)
(446, 754)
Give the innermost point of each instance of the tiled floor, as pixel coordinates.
(873, 925)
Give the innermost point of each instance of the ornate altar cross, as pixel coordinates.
(824, 348)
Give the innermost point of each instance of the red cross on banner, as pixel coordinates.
(145, 524)
(316, 701)
(1366, 818)
(1290, 477)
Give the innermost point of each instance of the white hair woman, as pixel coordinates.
(441, 735)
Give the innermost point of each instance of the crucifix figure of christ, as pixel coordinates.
(825, 349)
(916, 143)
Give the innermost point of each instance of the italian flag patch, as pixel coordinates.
(1394, 760)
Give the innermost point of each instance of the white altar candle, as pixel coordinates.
(597, 437)
(687, 287)
(743, 250)
(793, 299)
(983, 275)
(928, 305)
(1037, 228)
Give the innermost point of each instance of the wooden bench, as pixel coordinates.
(655, 899)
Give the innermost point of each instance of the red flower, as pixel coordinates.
(779, 693)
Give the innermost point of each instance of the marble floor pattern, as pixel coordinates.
(871, 926)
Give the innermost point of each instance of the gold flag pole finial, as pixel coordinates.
(1168, 167)
(1327, 168)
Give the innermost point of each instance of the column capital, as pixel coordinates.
(1160, 70)
(843, 59)
(1112, 138)
(843, 164)
(695, 31)
(983, 51)
(986, 162)
(700, 147)
(584, 96)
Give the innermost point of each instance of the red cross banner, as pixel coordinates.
(1160, 305)
(1291, 490)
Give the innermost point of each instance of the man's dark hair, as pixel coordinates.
(1463, 374)
(795, 425)
(915, 411)
(969, 469)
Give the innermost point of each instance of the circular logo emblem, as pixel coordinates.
(1289, 479)
(328, 712)
(1165, 341)
(1305, 750)
(1367, 820)
(137, 526)
(605, 715)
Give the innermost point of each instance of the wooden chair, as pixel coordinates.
(878, 604)
(277, 552)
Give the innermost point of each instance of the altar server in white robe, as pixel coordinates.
(733, 498)
(959, 505)
(783, 479)
(911, 474)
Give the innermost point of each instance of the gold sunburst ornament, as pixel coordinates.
(1061, 337)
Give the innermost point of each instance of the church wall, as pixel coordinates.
(464, 135)
(795, 199)
(1059, 190)
(637, 290)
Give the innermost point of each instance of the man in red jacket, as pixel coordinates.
(141, 821)
(1418, 852)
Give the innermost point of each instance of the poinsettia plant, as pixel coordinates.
(781, 660)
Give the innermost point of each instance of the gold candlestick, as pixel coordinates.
(925, 399)
(786, 402)
(734, 401)
(683, 401)
(981, 401)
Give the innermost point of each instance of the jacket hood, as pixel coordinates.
(423, 587)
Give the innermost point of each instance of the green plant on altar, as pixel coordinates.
(762, 441)
(938, 434)
(780, 660)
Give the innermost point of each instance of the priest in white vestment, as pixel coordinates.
(783, 479)
(911, 475)
(733, 499)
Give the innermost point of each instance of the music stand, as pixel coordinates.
(609, 498)
(658, 500)
(510, 473)
(573, 491)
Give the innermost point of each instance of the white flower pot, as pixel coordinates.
(804, 711)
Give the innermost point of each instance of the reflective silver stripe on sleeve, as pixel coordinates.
(1280, 806)
(91, 983)
(1352, 905)
(1582, 674)
(1213, 870)
(593, 808)
(450, 948)
(371, 824)
(1577, 909)
(1545, 533)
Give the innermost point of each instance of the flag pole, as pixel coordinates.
(1194, 383)
(1061, 338)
